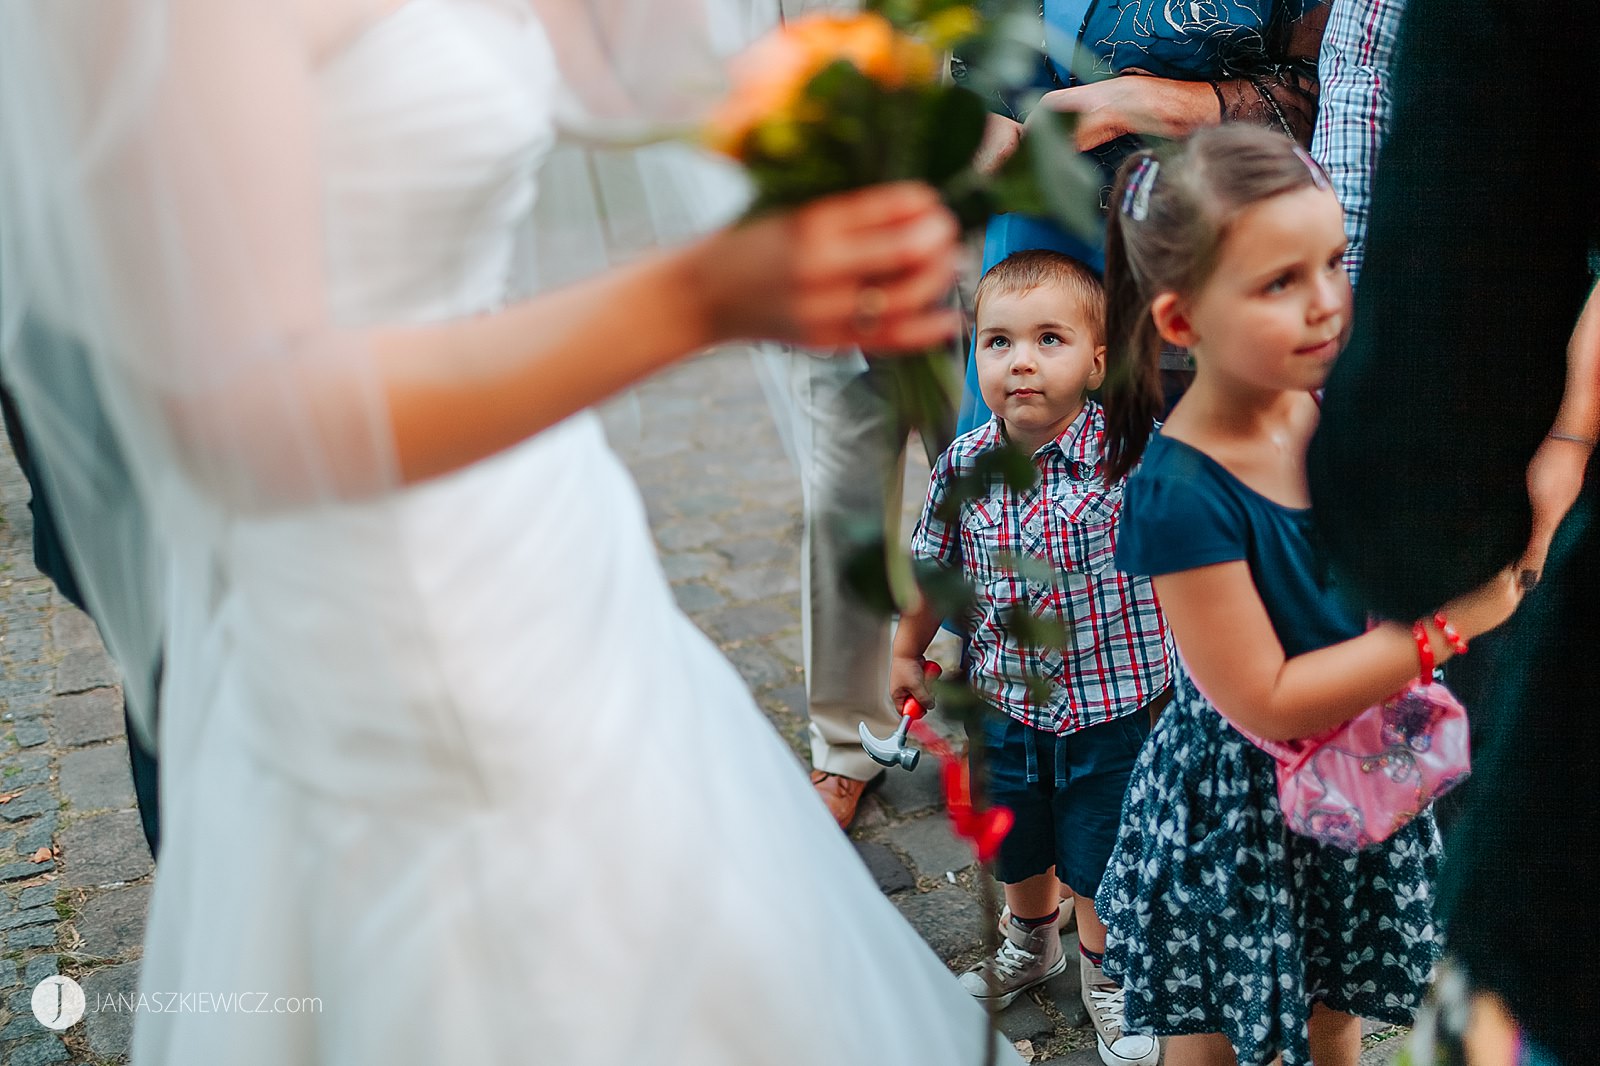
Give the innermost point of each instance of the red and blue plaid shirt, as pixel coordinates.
(1117, 657)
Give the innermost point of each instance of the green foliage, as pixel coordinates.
(1032, 630)
(1006, 465)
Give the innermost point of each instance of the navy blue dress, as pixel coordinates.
(1220, 919)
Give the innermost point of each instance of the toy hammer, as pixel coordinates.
(893, 752)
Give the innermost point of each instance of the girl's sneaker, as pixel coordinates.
(1102, 997)
(1027, 957)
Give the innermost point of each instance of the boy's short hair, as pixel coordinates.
(1023, 271)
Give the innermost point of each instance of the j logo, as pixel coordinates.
(58, 1002)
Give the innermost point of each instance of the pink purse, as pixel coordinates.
(1357, 784)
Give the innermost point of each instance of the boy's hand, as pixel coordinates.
(908, 680)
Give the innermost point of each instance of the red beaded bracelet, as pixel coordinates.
(1424, 652)
(1457, 645)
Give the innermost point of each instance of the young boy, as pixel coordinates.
(1060, 762)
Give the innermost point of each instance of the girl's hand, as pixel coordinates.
(1134, 103)
(1484, 607)
(1001, 136)
(865, 269)
(907, 680)
(1555, 477)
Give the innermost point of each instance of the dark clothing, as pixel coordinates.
(50, 557)
(1066, 791)
(1485, 213)
(1220, 920)
(1183, 510)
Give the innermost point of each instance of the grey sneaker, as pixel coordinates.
(1102, 998)
(1027, 957)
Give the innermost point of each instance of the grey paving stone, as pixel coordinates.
(695, 597)
(40, 833)
(20, 871)
(1025, 1020)
(1084, 1056)
(25, 776)
(104, 848)
(33, 802)
(947, 918)
(31, 733)
(760, 668)
(87, 717)
(112, 922)
(680, 566)
(690, 533)
(71, 629)
(40, 1052)
(33, 936)
(703, 504)
(28, 916)
(1065, 990)
(110, 1030)
(97, 778)
(916, 791)
(759, 550)
(749, 621)
(38, 896)
(885, 867)
(791, 699)
(761, 582)
(933, 847)
(40, 967)
(767, 521)
(83, 669)
(8, 973)
(790, 647)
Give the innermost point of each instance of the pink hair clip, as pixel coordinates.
(1136, 198)
(1319, 177)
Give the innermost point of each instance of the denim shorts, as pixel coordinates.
(1066, 791)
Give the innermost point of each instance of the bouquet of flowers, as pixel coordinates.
(831, 102)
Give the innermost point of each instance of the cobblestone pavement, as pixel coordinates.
(725, 506)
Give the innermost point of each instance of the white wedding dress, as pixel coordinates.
(450, 762)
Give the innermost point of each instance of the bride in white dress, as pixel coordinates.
(439, 753)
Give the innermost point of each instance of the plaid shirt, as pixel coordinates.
(1117, 658)
(1353, 110)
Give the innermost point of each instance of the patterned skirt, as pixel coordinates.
(1223, 921)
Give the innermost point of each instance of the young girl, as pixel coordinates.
(1235, 936)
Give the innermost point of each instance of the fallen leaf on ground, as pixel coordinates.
(42, 855)
(7, 797)
(1025, 1049)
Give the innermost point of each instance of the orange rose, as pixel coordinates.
(769, 77)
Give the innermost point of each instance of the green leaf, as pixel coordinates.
(946, 589)
(1028, 567)
(952, 123)
(1010, 465)
(1031, 630)
(866, 576)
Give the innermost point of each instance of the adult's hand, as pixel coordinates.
(1001, 137)
(1134, 103)
(868, 269)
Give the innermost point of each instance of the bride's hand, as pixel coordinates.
(868, 269)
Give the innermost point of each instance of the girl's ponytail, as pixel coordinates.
(1169, 215)
(1132, 395)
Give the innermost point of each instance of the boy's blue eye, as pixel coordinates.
(1050, 339)
(999, 342)
(1279, 283)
